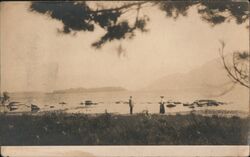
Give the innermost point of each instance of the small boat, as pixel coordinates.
(207, 102)
(170, 105)
(88, 102)
(13, 108)
(34, 108)
(62, 103)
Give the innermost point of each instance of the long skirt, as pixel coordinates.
(162, 109)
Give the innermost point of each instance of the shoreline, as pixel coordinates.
(206, 112)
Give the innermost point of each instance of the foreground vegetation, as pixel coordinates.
(139, 129)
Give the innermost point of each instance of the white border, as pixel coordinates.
(125, 151)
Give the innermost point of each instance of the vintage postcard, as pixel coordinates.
(124, 78)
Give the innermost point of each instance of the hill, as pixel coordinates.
(207, 81)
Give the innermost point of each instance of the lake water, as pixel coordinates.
(115, 102)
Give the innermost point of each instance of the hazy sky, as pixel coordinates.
(34, 57)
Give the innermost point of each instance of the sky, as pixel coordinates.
(35, 57)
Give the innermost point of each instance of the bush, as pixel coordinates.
(108, 129)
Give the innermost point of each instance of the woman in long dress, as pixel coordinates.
(162, 107)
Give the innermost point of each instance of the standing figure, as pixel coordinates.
(162, 107)
(5, 98)
(131, 104)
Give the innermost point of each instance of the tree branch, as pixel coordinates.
(230, 74)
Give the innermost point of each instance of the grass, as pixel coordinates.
(107, 129)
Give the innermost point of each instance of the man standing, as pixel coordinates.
(131, 104)
(4, 101)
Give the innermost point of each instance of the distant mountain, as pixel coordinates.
(209, 79)
(86, 90)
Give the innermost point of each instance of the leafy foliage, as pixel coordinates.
(79, 16)
(146, 129)
(218, 12)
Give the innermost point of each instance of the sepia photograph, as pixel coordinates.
(124, 73)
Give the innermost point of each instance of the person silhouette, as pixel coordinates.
(131, 104)
(162, 107)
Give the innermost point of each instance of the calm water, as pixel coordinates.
(115, 102)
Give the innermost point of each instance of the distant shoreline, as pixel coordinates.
(75, 90)
(84, 90)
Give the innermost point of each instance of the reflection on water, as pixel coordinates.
(116, 102)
